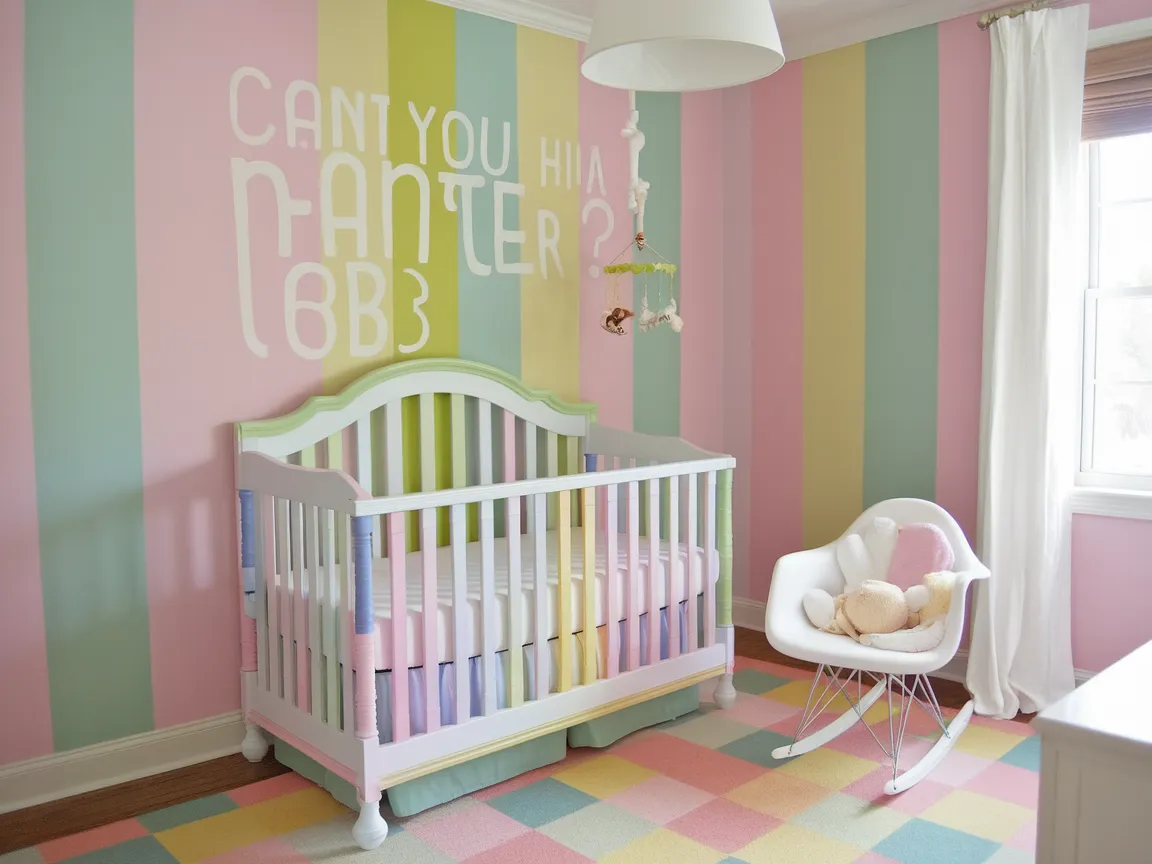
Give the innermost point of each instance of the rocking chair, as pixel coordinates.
(900, 676)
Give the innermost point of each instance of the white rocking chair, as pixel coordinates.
(839, 659)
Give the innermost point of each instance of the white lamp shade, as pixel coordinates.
(681, 45)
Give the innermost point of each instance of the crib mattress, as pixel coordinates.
(473, 618)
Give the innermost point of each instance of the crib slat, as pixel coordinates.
(283, 620)
(653, 571)
(328, 612)
(590, 641)
(396, 561)
(299, 609)
(674, 568)
(345, 622)
(364, 477)
(394, 443)
(531, 466)
(460, 649)
(459, 442)
(265, 574)
(632, 584)
(710, 557)
(564, 586)
(612, 580)
(692, 481)
(538, 519)
(314, 601)
(431, 618)
(489, 611)
(515, 602)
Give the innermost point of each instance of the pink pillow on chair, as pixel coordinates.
(921, 548)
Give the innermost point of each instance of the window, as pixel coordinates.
(1116, 418)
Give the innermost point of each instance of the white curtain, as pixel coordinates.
(1020, 655)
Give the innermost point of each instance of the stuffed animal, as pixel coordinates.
(873, 610)
(925, 628)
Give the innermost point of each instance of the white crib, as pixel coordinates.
(524, 500)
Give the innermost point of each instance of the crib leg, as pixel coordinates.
(725, 695)
(370, 829)
(255, 746)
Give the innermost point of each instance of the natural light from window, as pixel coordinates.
(1117, 397)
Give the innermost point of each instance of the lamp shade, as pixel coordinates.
(681, 45)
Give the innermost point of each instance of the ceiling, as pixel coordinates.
(806, 26)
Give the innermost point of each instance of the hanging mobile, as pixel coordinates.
(616, 313)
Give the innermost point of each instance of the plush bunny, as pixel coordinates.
(873, 610)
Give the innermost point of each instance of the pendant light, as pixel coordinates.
(681, 45)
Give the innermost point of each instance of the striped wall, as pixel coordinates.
(219, 209)
(865, 255)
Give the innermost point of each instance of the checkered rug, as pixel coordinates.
(700, 790)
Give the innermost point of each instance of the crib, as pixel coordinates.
(439, 563)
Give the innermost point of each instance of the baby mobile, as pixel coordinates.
(662, 272)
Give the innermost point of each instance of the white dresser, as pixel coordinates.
(1096, 769)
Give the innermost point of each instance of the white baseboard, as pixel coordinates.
(73, 772)
(750, 615)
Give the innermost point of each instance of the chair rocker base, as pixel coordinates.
(919, 692)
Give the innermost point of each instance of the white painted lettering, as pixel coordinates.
(422, 123)
(502, 236)
(464, 161)
(495, 172)
(234, 106)
(330, 222)
(293, 306)
(466, 183)
(388, 180)
(294, 121)
(343, 107)
(358, 309)
(547, 161)
(425, 328)
(548, 231)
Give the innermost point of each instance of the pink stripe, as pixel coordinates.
(738, 325)
(605, 359)
(964, 81)
(700, 277)
(431, 618)
(397, 561)
(197, 376)
(27, 731)
(776, 475)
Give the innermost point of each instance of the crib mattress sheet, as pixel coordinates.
(473, 618)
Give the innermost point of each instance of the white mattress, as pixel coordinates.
(473, 635)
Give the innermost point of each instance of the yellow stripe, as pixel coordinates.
(564, 589)
(834, 236)
(548, 106)
(353, 56)
(590, 585)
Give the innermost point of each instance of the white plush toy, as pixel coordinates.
(871, 610)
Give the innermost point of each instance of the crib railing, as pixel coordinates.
(311, 633)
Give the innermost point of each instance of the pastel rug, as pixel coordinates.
(700, 790)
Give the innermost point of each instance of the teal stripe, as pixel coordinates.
(85, 372)
(656, 354)
(486, 87)
(903, 264)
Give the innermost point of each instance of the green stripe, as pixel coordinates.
(85, 372)
(656, 354)
(486, 89)
(903, 263)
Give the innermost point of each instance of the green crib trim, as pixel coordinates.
(724, 539)
(337, 401)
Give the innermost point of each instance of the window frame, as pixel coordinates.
(1103, 493)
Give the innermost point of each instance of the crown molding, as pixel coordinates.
(529, 14)
(1129, 31)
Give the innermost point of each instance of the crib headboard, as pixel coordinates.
(429, 424)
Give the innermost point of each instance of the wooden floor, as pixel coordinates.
(128, 800)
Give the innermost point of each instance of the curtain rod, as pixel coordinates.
(989, 18)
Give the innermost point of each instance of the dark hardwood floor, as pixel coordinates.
(127, 800)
